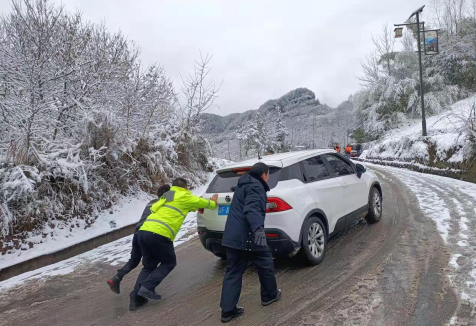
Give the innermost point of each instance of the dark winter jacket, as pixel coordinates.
(144, 215)
(247, 213)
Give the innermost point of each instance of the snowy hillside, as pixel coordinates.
(447, 146)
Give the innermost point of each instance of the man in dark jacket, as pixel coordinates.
(245, 240)
(136, 253)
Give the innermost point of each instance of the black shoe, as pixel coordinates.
(143, 292)
(278, 297)
(229, 316)
(137, 303)
(115, 284)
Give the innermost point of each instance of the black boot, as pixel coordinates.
(137, 303)
(144, 292)
(278, 297)
(114, 284)
(229, 316)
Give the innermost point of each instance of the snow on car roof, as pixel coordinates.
(279, 160)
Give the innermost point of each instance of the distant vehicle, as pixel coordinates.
(356, 150)
(314, 195)
(299, 148)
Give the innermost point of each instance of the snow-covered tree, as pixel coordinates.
(256, 135)
(82, 121)
(281, 131)
(388, 100)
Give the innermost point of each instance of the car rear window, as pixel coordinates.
(291, 172)
(226, 181)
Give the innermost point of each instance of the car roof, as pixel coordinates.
(280, 160)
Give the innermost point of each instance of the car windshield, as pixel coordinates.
(226, 181)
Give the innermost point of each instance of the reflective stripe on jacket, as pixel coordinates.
(169, 212)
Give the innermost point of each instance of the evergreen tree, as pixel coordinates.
(281, 131)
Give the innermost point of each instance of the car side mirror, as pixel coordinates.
(360, 169)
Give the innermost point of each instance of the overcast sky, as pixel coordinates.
(261, 49)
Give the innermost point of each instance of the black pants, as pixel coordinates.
(155, 249)
(136, 256)
(236, 263)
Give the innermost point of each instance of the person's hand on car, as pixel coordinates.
(214, 198)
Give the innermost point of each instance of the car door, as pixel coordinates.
(355, 189)
(326, 191)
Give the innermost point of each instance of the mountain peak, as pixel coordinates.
(297, 97)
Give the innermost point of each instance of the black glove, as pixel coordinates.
(260, 237)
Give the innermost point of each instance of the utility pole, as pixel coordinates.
(422, 90)
(422, 95)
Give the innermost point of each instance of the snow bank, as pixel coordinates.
(55, 236)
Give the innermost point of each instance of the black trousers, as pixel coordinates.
(136, 256)
(236, 264)
(156, 250)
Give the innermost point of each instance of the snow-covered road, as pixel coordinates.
(404, 270)
(451, 204)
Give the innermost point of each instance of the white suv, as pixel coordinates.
(314, 195)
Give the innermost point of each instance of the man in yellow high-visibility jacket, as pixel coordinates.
(156, 238)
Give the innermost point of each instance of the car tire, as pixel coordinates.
(314, 241)
(375, 207)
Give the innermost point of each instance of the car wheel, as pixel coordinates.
(375, 207)
(314, 241)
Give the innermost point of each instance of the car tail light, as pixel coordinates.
(272, 235)
(276, 205)
(201, 210)
(241, 169)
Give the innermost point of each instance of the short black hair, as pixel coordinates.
(258, 169)
(162, 190)
(180, 182)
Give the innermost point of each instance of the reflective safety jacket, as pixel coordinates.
(168, 213)
(348, 149)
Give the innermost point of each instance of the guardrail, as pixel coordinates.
(450, 173)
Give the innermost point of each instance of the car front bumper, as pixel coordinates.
(278, 241)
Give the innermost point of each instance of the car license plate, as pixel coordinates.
(223, 210)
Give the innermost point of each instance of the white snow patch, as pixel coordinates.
(463, 243)
(453, 320)
(454, 260)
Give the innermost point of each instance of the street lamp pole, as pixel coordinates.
(422, 89)
(422, 94)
